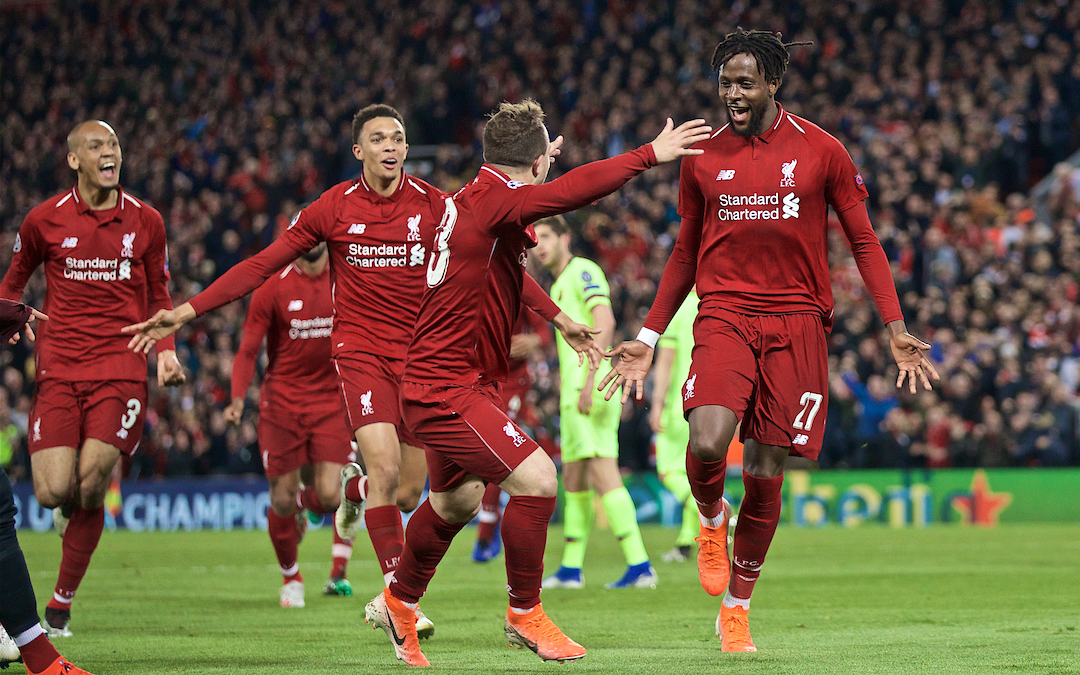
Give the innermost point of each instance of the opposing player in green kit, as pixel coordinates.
(590, 425)
(666, 419)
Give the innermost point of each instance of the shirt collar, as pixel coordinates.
(82, 208)
(375, 196)
(771, 131)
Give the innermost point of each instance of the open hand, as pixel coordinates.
(674, 142)
(630, 362)
(909, 352)
(169, 371)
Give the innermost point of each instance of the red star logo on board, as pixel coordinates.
(982, 507)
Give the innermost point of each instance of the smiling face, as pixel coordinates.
(382, 148)
(747, 97)
(94, 152)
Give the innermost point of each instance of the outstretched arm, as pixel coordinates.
(236, 283)
(587, 183)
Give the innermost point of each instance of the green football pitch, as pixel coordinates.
(866, 600)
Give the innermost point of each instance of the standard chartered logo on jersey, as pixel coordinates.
(308, 329)
(96, 269)
(787, 207)
(386, 255)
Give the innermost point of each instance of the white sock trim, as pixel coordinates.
(341, 551)
(29, 635)
(518, 610)
(731, 601)
(718, 521)
(59, 598)
(291, 570)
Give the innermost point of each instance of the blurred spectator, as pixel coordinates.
(951, 109)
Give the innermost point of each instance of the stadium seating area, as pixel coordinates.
(231, 116)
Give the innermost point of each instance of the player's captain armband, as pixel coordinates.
(647, 336)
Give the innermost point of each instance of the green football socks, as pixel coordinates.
(622, 515)
(578, 522)
(677, 483)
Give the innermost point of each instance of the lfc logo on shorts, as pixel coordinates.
(365, 401)
(690, 387)
(513, 434)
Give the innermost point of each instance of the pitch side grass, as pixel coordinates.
(946, 599)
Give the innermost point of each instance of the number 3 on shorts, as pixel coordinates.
(807, 399)
(134, 407)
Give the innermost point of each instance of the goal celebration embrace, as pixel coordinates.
(741, 334)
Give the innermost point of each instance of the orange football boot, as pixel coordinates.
(61, 666)
(540, 634)
(714, 566)
(733, 628)
(399, 623)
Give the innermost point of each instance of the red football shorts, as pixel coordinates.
(463, 431)
(67, 413)
(370, 387)
(772, 371)
(289, 440)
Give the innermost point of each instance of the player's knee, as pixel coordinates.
(49, 498)
(330, 498)
(408, 500)
(709, 445)
(764, 461)
(283, 503)
(92, 493)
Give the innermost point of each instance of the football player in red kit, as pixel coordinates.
(106, 265)
(459, 353)
(301, 416)
(754, 237)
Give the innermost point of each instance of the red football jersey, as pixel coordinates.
(476, 271)
(103, 270)
(295, 314)
(755, 225)
(378, 248)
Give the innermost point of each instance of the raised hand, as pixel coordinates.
(555, 148)
(630, 362)
(908, 351)
(675, 141)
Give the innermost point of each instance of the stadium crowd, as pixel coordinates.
(234, 115)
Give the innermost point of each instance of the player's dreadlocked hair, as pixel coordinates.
(770, 52)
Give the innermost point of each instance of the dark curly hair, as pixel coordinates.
(770, 52)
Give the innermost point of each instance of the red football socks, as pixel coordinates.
(387, 536)
(489, 513)
(356, 489)
(38, 654)
(429, 537)
(286, 540)
(758, 517)
(309, 499)
(341, 551)
(706, 483)
(524, 538)
(80, 540)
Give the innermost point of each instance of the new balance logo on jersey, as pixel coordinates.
(414, 228)
(800, 439)
(357, 228)
(690, 387)
(791, 206)
(295, 305)
(513, 434)
(725, 174)
(788, 169)
(69, 242)
(365, 402)
(127, 248)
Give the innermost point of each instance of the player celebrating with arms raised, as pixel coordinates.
(754, 237)
(459, 352)
(106, 265)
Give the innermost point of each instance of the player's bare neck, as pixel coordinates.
(560, 265)
(381, 185)
(98, 198)
(769, 119)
